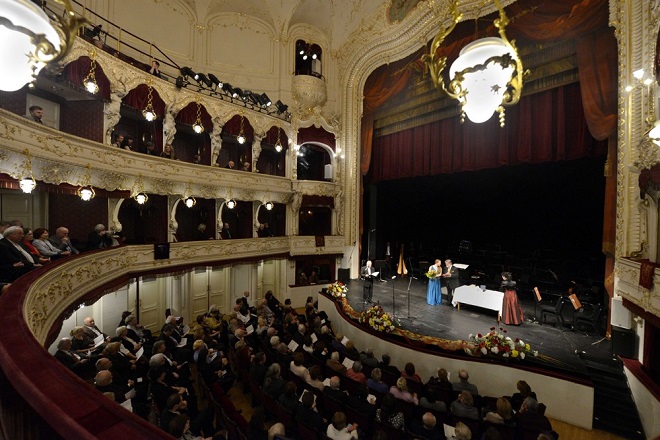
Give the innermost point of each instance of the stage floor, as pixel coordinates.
(444, 321)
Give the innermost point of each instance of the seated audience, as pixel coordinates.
(462, 432)
(307, 413)
(400, 391)
(464, 384)
(355, 373)
(426, 427)
(338, 430)
(441, 381)
(367, 358)
(386, 366)
(361, 403)
(524, 391)
(315, 378)
(273, 383)
(289, 398)
(375, 383)
(334, 391)
(70, 359)
(62, 241)
(431, 401)
(28, 239)
(351, 352)
(296, 366)
(46, 248)
(529, 419)
(276, 430)
(15, 259)
(504, 413)
(464, 406)
(409, 373)
(334, 364)
(387, 413)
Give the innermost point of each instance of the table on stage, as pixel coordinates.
(475, 296)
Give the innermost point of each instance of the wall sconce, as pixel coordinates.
(241, 137)
(27, 183)
(90, 80)
(278, 142)
(30, 41)
(149, 113)
(230, 202)
(190, 201)
(487, 75)
(198, 127)
(86, 191)
(269, 205)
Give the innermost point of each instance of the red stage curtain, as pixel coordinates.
(546, 126)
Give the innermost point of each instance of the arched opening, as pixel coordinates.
(313, 161)
(308, 59)
(189, 145)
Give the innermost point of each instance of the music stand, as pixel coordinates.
(379, 265)
(537, 299)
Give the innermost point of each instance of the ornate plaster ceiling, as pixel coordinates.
(337, 20)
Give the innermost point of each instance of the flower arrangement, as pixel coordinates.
(377, 319)
(338, 290)
(498, 344)
(431, 274)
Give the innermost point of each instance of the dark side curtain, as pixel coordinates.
(546, 126)
(586, 21)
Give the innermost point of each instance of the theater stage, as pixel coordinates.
(444, 321)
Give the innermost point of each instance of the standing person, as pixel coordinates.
(368, 285)
(451, 273)
(434, 290)
(512, 313)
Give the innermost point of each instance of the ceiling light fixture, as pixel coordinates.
(487, 75)
(30, 41)
(27, 183)
(230, 202)
(86, 191)
(149, 113)
(139, 195)
(198, 127)
(90, 80)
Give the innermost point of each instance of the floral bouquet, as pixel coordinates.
(498, 344)
(338, 290)
(431, 274)
(377, 319)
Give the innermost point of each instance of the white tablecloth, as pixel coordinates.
(473, 295)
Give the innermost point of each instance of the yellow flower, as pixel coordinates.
(527, 347)
(514, 353)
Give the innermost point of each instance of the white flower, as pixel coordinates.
(471, 336)
(484, 350)
(536, 353)
(505, 355)
(495, 350)
(522, 355)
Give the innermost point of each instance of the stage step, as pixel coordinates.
(614, 407)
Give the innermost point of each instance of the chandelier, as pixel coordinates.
(86, 191)
(90, 80)
(30, 41)
(278, 142)
(230, 202)
(241, 137)
(27, 183)
(198, 127)
(149, 113)
(139, 195)
(487, 75)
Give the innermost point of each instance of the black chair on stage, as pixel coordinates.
(555, 311)
(589, 315)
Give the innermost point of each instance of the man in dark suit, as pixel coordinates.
(61, 240)
(224, 232)
(426, 427)
(307, 415)
(451, 274)
(528, 419)
(71, 360)
(368, 286)
(334, 392)
(15, 259)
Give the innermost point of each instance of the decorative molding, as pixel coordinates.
(626, 284)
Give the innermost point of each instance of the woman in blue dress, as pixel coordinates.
(434, 291)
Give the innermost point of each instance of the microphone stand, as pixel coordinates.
(393, 300)
(409, 283)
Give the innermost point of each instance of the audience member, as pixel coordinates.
(431, 401)
(441, 381)
(273, 383)
(524, 391)
(386, 366)
(334, 391)
(119, 140)
(276, 430)
(464, 384)
(464, 406)
(409, 373)
(461, 432)
(528, 418)
(307, 413)
(70, 359)
(355, 373)
(387, 413)
(400, 391)
(168, 152)
(504, 413)
(367, 358)
(426, 427)
(334, 364)
(375, 383)
(361, 403)
(155, 68)
(28, 239)
(62, 242)
(289, 398)
(225, 233)
(337, 430)
(15, 260)
(127, 144)
(36, 113)
(45, 247)
(315, 378)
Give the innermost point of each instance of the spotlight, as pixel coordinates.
(214, 80)
(180, 82)
(97, 30)
(188, 72)
(202, 79)
(281, 107)
(229, 89)
(238, 93)
(266, 102)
